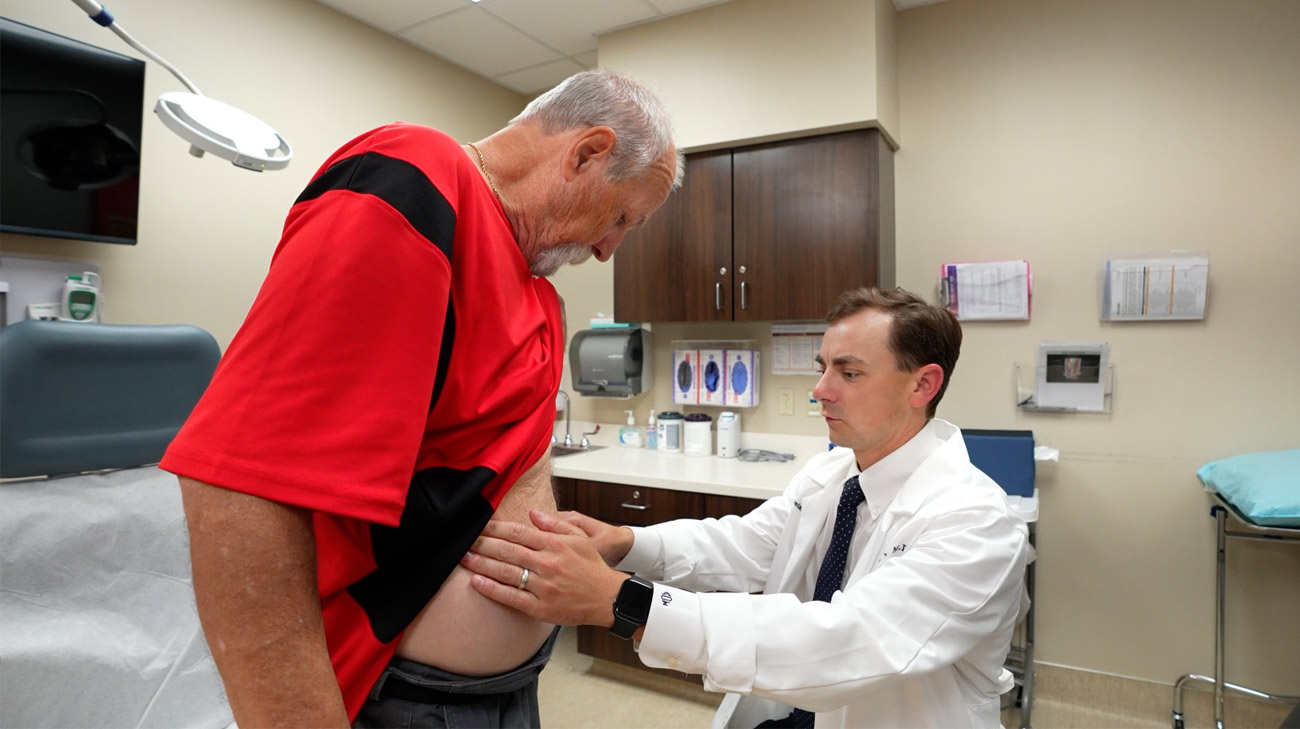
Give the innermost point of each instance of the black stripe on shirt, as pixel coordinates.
(400, 184)
(444, 513)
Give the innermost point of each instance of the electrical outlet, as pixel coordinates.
(786, 401)
(814, 407)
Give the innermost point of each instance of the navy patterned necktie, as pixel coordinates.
(831, 575)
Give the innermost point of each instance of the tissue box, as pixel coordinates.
(685, 379)
(711, 384)
(741, 378)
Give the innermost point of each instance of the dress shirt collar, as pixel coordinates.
(883, 479)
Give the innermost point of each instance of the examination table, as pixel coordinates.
(97, 620)
(1260, 492)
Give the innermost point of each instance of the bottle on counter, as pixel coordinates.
(670, 431)
(652, 432)
(630, 435)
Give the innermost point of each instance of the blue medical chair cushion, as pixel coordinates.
(1006, 456)
(1264, 487)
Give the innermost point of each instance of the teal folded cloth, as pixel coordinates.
(1264, 487)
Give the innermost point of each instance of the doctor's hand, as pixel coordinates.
(567, 583)
(613, 542)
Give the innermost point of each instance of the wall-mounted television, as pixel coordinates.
(70, 118)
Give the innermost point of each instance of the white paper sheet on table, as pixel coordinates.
(99, 627)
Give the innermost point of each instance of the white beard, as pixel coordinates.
(549, 260)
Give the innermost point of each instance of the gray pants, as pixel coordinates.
(411, 695)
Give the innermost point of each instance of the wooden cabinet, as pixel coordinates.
(638, 506)
(767, 232)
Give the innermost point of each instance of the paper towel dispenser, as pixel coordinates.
(614, 362)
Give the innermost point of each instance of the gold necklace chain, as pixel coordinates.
(483, 167)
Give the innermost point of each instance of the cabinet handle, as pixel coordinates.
(717, 296)
(638, 507)
(743, 301)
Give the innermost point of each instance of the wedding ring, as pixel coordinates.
(523, 581)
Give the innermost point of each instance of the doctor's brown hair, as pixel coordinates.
(920, 334)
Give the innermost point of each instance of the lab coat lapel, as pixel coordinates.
(804, 523)
(941, 470)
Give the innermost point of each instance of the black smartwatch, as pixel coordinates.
(632, 606)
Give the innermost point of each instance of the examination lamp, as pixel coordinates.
(207, 124)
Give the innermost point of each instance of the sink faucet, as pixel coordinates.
(568, 438)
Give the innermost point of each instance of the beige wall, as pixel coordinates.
(1064, 132)
(757, 70)
(207, 228)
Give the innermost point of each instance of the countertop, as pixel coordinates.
(680, 472)
(706, 474)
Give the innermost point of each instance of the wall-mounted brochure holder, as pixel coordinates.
(719, 373)
(795, 346)
(1068, 378)
(990, 291)
(1171, 287)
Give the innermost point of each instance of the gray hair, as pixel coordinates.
(603, 98)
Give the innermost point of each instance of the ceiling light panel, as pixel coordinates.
(480, 42)
(572, 31)
(393, 15)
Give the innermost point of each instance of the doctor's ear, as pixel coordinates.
(927, 381)
(594, 144)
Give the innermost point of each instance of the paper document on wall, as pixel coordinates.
(795, 348)
(1155, 288)
(994, 290)
(1071, 376)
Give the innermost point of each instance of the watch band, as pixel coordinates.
(631, 607)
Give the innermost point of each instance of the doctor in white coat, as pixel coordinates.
(913, 632)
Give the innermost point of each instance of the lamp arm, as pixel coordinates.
(100, 14)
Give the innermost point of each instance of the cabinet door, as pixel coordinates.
(678, 266)
(812, 217)
(719, 506)
(566, 493)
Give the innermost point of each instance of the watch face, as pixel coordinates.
(634, 600)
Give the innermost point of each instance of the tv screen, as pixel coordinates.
(70, 117)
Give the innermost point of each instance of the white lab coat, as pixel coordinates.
(917, 638)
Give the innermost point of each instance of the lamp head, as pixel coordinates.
(212, 126)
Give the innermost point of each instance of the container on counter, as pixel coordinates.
(697, 437)
(670, 431)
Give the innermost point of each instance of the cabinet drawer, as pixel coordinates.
(636, 505)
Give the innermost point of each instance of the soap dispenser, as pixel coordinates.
(630, 435)
(651, 433)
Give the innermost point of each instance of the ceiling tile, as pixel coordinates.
(391, 15)
(672, 7)
(479, 41)
(570, 27)
(588, 60)
(537, 79)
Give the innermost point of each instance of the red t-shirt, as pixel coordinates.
(396, 374)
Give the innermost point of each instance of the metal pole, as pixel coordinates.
(1221, 516)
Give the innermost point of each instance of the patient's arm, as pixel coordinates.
(255, 584)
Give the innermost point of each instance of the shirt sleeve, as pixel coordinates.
(920, 611)
(733, 553)
(323, 395)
